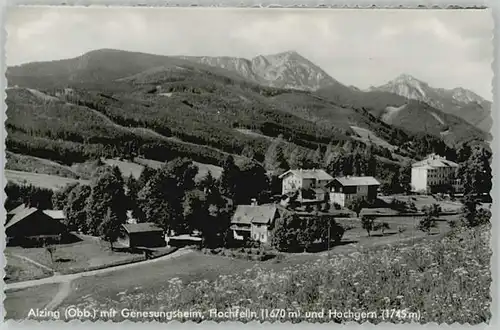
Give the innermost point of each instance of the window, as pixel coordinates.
(262, 236)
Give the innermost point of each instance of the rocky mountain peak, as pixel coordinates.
(287, 69)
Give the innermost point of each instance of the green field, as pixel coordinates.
(75, 257)
(40, 180)
(18, 303)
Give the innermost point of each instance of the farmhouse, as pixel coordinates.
(254, 222)
(145, 234)
(434, 173)
(26, 223)
(310, 184)
(345, 189)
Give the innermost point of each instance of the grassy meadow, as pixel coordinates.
(443, 281)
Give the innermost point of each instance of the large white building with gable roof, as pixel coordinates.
(434, 171)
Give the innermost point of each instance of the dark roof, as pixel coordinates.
(141, 227)
(21, 215)
(357, 181)
(247, 214)
(308, 174)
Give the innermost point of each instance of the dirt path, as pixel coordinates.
(70, 277)
(64, 291)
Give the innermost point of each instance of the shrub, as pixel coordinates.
(356, 205)
(382, 226)
(368, 223)
(427, 223)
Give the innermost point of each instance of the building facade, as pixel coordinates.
(145, 234)
(310, 184)
(254, 222)
(345, 189)
(435, 173)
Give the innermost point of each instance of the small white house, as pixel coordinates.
(345, 189)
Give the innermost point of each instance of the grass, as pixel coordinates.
(18, 162)
(425, 200)
(39, 180)
(18, 303)
(445, 280)
(152, 277)
(76, 257)
(17, 269)
(358, 234)
(367, 136)
(127, 168)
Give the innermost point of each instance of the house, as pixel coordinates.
(345, 189)
(434, 173)
(254, 222)
(26, 223)
(310, 184)
(144, 234)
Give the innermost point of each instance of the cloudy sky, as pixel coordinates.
(357, 47)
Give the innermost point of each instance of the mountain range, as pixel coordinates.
(112, 102)
(457, 101)
(291, 70)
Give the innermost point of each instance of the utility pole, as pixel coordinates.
(329, 224)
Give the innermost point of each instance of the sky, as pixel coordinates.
(363, 48)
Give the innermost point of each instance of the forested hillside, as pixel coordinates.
(119, 104)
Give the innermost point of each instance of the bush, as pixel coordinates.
(427, 223)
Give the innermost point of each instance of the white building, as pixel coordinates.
(433, 172)
(303, 181)
(254, 222)
(345, 189)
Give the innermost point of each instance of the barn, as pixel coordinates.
(30, 223)
(145, 234)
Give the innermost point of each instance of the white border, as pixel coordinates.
(494, 5)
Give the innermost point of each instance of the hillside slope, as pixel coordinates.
(406, 113)
(159, 108)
